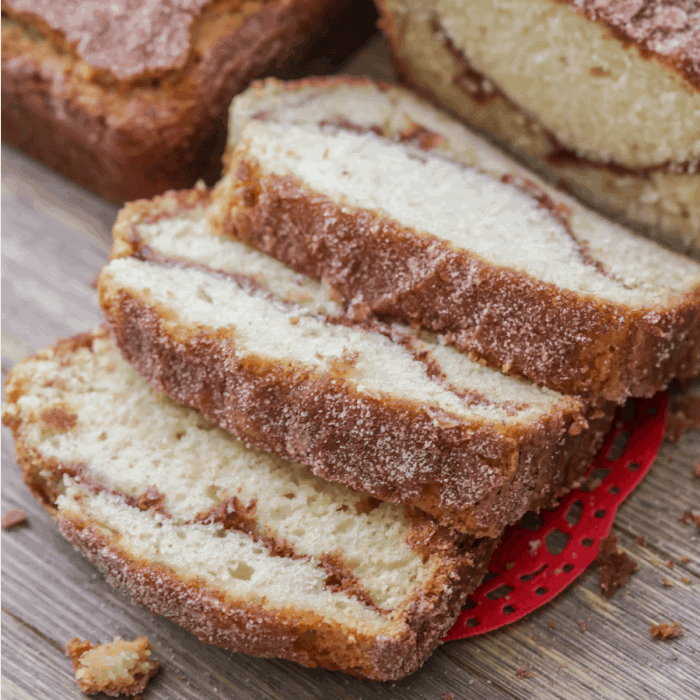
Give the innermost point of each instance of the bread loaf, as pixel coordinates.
(129, 99)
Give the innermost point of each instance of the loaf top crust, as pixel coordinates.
(668, 28)
(129, 39)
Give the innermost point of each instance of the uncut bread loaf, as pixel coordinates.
(269, 355)
(603, 95)
(129, 99)
(245, 550)
(401, 209)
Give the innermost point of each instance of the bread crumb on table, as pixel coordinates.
(114, 668)
(641, 540)
(689, 517)
(664, 630)
(12, 518)
(615, 567)
(582, 625)
(523, 673)
(696, 471)
(683, 415)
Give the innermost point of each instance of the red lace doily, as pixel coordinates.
(538, 558)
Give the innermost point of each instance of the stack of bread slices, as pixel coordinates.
(326, 387)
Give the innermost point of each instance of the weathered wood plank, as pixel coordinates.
(47, 270)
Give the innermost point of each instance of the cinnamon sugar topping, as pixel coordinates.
(664, 630)
(127, 38)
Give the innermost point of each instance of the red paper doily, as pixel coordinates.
(538, 558)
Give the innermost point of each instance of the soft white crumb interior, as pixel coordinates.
(189, 237)
(225, 559)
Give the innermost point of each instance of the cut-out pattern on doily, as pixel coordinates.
(538, 558)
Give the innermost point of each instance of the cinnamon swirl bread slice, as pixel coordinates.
(400, 208)
(243, 549)
(269, 355)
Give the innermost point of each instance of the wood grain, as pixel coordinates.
(55, 239)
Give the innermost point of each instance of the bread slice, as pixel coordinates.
(399, 208)
(269, 355)
(538, 75)
(243, 549)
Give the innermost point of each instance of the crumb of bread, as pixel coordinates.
(670, 564)
(551, 626)
(685, 560)
(641, 540)
(582, 625)
(667, 582)
(684, 415)
(615, 567)
(686, 580)
(12, 518)
(449, 696)
(689, 517)
(696, 471)
(523, 673)
(115, 668)
(664, 630)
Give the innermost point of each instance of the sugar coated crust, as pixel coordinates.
(456, 564)
(661, 199)
(163, 126)
(476, 477)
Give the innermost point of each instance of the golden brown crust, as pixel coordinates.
(161, 135)
(565, 341)
(458, 565)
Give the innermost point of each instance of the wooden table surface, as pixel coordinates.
(55, 238)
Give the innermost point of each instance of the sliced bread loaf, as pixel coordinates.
(399, 208)
(269, 355)
(245, 550)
